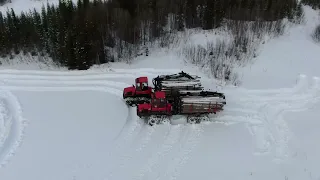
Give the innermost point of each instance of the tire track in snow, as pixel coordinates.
(195, 133)
(143, 138)
(41, 83)
(149, 70)
(300, 89)
(153, 163)
(158, 138)
(77, 84)
(309, 98)
(54, 79)
(264, 132)
(130, 126)
(12, 126)
(299, 85)
(248, 101)
(275, 133)
(121, 143)
(70, 78)
(81, 82)
(161, 165)
(64, 83)
(250, 119)
(113, 91)
(88, 72)
(81, 75)
(33, 87)
(236, 115)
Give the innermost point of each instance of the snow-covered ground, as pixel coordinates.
(281, 60)
(64, 125)
(60, 125)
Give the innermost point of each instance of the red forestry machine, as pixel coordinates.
(176, 94)
(138, 93)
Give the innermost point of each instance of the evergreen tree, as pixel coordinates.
(90, 32)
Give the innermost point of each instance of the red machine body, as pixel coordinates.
(138, 93)
(157, 106)
(194, 107)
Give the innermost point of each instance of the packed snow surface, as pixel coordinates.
(64, 125)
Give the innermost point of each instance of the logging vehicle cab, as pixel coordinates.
(139, 92)
(158, 105)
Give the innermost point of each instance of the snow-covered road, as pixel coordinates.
(131, 150)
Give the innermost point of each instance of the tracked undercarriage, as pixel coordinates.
(134, 101)
(157, 119)
(197, 119)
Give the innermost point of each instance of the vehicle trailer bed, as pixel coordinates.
(197, 105)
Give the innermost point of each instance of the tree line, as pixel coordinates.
(92, 32)
(2, 2)
(315, 4)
